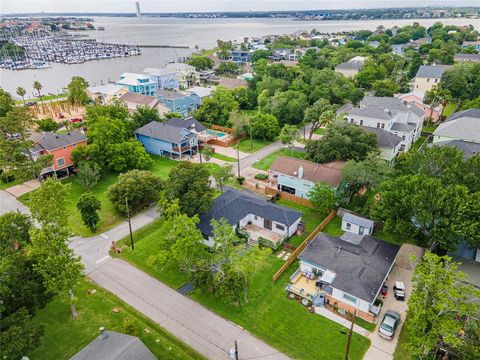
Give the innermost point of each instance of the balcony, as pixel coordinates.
(181, 149)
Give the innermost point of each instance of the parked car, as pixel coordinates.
(75, 120)
(389, 324)
(31, 103)
(399, 289)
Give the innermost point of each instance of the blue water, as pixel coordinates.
(219, 134)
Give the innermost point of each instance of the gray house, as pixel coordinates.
(111, 345)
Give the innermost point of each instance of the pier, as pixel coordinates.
(163, 46)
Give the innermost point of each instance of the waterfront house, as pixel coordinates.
(176, 101)
(345, 272)
(206, 76)
(133, 101)
(199, 93)
(390, 114)
(165, 78)
(138, 83)
(416, 98)
(262, 221)
(428, 76)
(474, 44)
(168, 140)
(187, 74)
(60, 146)
(105, 94)
(352, 67)
(473, 58)
(298, 177)
(111, 345)
(240, 57)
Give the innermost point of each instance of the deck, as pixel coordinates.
(257, 232)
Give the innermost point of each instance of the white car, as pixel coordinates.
(389, 324)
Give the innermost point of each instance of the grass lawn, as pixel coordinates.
(429, 127)
(310, 217)
(320, 131)
(269, 315)
(256, 145)
(266, 162)
(223, 157)
(9, 184)
(65, 336)
(419, 142)
(449, 109)
(334, 227)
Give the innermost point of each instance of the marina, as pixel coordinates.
(43, 50)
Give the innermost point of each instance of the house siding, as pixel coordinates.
(354, 228)
(302, 186)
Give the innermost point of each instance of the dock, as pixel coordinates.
(163, 46)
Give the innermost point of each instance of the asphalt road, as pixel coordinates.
(8, 202)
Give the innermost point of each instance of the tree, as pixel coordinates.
(288, 136)
(223, 174)
(190, 184)
(48, 124)
(439, 296)
(15, 143)
(260, 54)
(88, 205)
(14, 230)
(469, 349)
(139, 187)
(201, 62)
(439, 217)
(370, 73)
(461, 81)
(6, 102)
(323, 197)
(435, 97)
(227, 68)
(265, 126)
(321, 113)
(385, 88)
(368, 173)
(88, 174)
(48, 204)
(21, 92)
(144, 114)
(77, 91)
(37, 86)
(217, 108)
(342, 142)
(287, 106)
(18, 335)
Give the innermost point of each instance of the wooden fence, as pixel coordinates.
(289, 197)
(304, 244)
(222, 129)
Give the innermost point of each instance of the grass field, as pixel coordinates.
(9, 184)
(44, 98)
(256, 145)
(266, 162)
(65, 336)
(449, 109)
(223, 157)
(269, 314)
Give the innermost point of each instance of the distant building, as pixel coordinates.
(428, 76)
(398, 49)
(473, 58)
(199, 93)
(462, 125)
(240, 57)
(133, 101)
(105, 94)
(416, 98)
(352, 67)
(138, 83)
(165, 78)
(137, 8)
(475, 44)
(176, 101)
(187, 74)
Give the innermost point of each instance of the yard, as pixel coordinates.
(266, 162)
(419, 142)
(65, 336)
(270, 315)
(223, 157)
(254, 145)
(449, 109)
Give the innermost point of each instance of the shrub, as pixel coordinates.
(240, 180)
(261, 176)
(47, 124)
(7, 177)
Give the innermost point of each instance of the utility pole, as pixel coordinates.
(350, 333)
(236, 350)
(238, 157)
(129, 223)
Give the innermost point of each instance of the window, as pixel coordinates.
(61, 161)
(428, 80)
(351, 121)
(361, 122)
(280, 227)
(403, 137)
(436, 80)
(350, 298)
(361, 230)
(378, 125)
(348, 226)
(255, 217)
(383, 125)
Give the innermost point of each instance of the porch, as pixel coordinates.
(256, 232)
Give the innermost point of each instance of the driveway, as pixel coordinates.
(8, 202)
(380, 348)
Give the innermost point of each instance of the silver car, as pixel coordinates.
(389, 324)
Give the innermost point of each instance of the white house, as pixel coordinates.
(262, 220)
(105, 94)
(187, 74)
(428, 76)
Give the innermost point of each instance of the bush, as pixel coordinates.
(47, 124)
(261, 176)
(240, 180)
(7, 177)
(130, 327)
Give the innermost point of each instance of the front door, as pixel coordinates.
(267, 224)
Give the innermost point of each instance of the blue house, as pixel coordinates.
(176, 101)
(165, 78)
(474, 44)
(167, 139)
(138, 83)
(240, 56)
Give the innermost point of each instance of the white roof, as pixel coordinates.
(200, 91)
(157, 71)
(328, 276)
(107, 89)
(131, 78)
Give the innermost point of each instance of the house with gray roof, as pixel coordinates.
(262, 220)
(133, 101)
(462, 125)
(351, 67)
(346, 271)
(461, 57)
(176, 101)
(428, 76)
(111, 345)
(402, 119)
(169, 139)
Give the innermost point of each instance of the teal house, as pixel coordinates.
(138, 83)
(176, 101)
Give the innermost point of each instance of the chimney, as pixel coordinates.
(102, 333)
(300, 172)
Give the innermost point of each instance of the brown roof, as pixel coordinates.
(329, 173)
(138, 99)
(230, 83)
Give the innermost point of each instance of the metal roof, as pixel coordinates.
(431, 71)
(189, 123)
(163, 131)
(50, 141)
(384, 138)
(462, 125)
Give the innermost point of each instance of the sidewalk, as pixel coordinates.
(21, 189)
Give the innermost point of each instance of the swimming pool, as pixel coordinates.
(218, 133)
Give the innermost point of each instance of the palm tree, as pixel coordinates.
(21, 92)
(37, 86)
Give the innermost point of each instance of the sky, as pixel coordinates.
(128, 6)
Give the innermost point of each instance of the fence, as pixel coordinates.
(304, 244)
(289, 197)
(222, 129)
